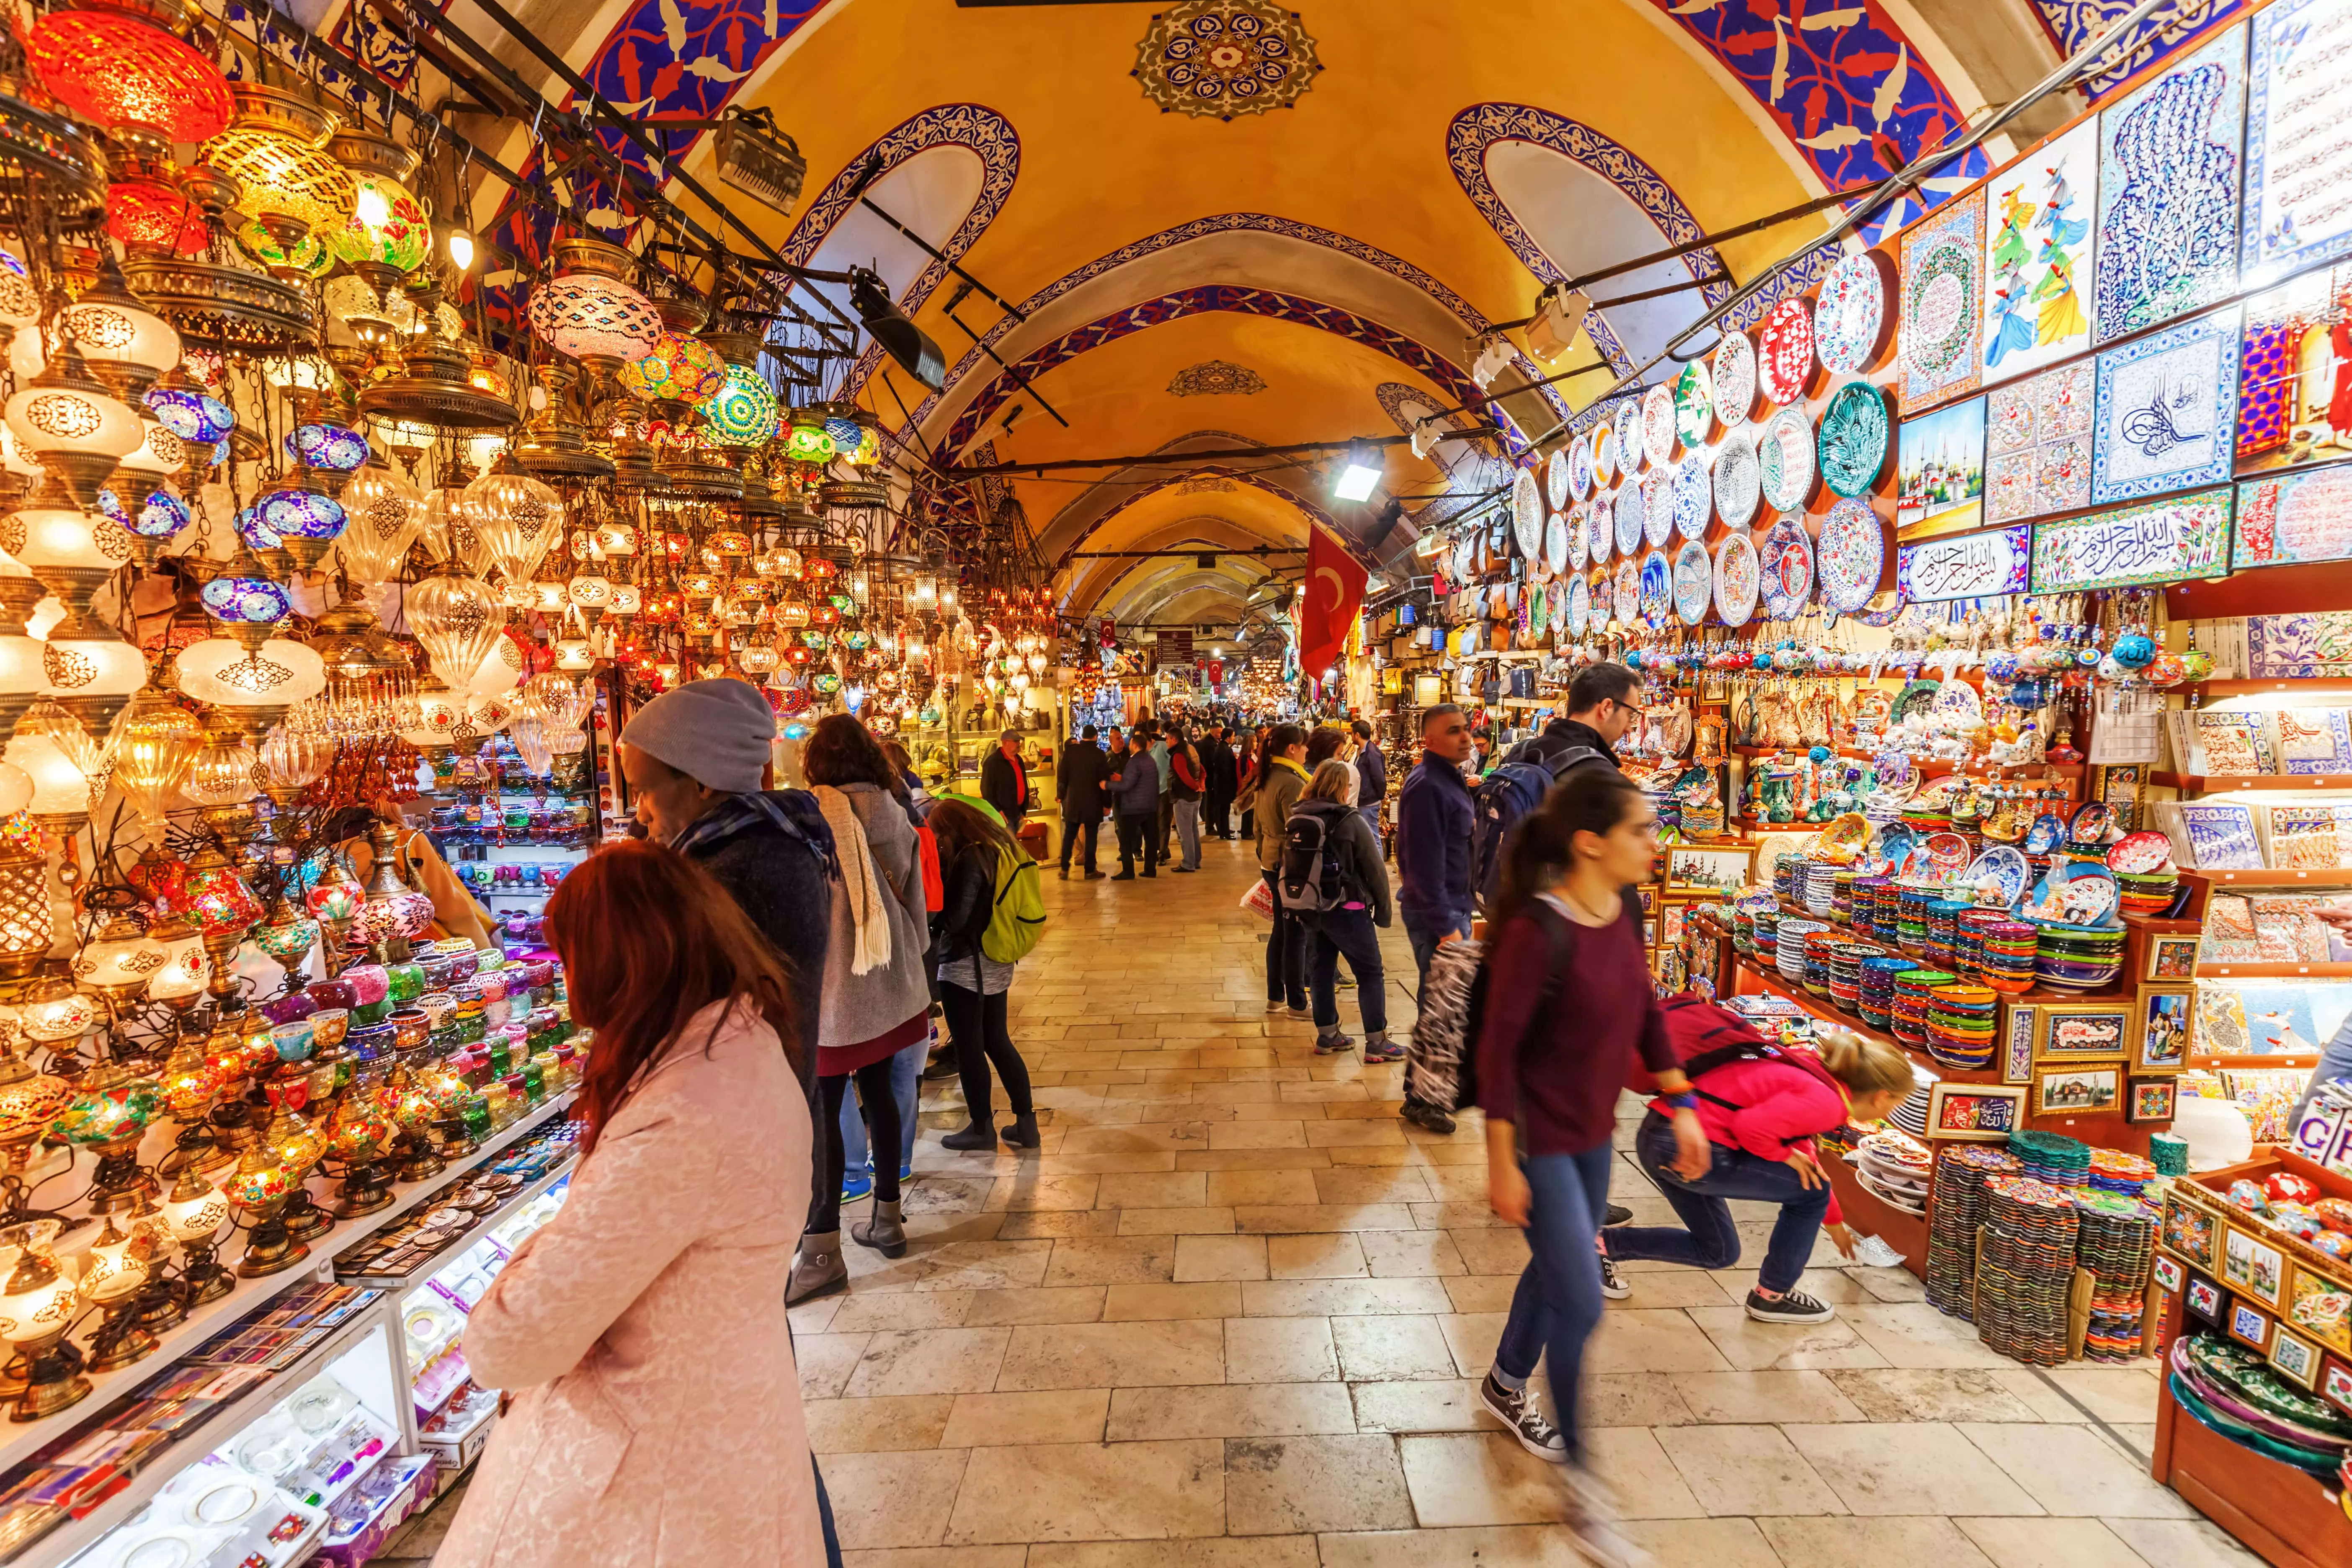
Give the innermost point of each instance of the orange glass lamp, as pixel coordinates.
(29, 1102)
(361, 1132)
(108, 1115)
(153, 747)
(37, 1304)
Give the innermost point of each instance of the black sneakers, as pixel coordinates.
(1795, 1307)
(1612, 1284)
(1515, 1408)
(1618, 1215)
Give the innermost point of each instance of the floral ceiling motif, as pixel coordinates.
(1216, 378)
(1220, 58)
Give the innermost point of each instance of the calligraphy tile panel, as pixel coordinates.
(2158, 542)
(2298, 95)
(2166, 411)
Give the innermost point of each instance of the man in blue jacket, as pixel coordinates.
(1135, 793)
(1434, 816)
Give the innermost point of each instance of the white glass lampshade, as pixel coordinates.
(500, 672)
(117, 330)
(56, 1012)
(547, 598)
(16, 789)
(458, 619)
(595, 318)
(116, 1264)
(574, 656)
(120, 959)
(488, 715)
(60, 788)
(628, 599)
(616, 538)
(187, 966)
(161, 456)
(22, 670)
(66, 537)
(277, 674)
(90, 659)
(198, 1216)
(59, 418)
(437, 712)
(590, 592)
(36, 1310)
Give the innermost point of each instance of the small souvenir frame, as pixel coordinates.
(2169, 1273)
(2017, 1048)
(2203, 1299)
(2190, 1231)
(2092, 1090)
(2150, 1099)
(2249, 1325)
(2254, 1267)
(1974, 1112)
(2161, 1027)
(2172, 957)
(2336, 1385)
(2295, 1358)
(2084, 1032)
(2321, 1308)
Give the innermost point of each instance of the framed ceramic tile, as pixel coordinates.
(2038, 444)
(2038, 254)
(2169, 171)
(2321, 1308)
(1940, 471)
(2296, 1358)
(2084, 1031)
(2231, 740)
(2150, 1099)
(2166, 541)
(1971, 566)
(2336, 1385)
(2166, 411)
(1974, 1112)
(2289, 519)
(2079, 1091)
(2203, 1299)
(2172, 958)
(2161, 1024)
(2254, 1267)
(2315, 644)
(2298, 97)
(2314, 741)
(2190, 1232)
(2017, 1045)
(2248, 1324)
(2168, 1273)
(1943, 304)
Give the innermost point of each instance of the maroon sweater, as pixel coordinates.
(1558, 1079)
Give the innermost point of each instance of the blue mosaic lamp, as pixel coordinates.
(333, 447)
(246, 601)
(190, 412)
(306, 521)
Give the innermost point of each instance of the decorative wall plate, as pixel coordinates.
(1626, 592)
(1658, 422)
(1694, 582)
(1784, 350)
(1527, 511)
(1943, 300)
(1556, 488)
(1784, 459)
(1628, 518)
(1850, 314)
(1693, 495)
(1658, 507)
(1851, 555)
(1601, 528)
(1738, 580)
(1855, 433)
(1736, 479)
(1603, 447)
(2167, 409)
(1580, 606)
(1627, 422)
(1734, 364)
(1786, 561)
(2168, 166)
(1694, 403)
(1535, 612)
(1556, 532)
(1657, 587)
(1579, 541)
(1580, 469)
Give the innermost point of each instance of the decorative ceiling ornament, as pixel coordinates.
(1216, 378)
(1220, 58)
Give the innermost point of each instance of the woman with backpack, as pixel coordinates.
(1326, 830)
(974, 988)
(1566, 1003)
(1762, 1106)
(1280, 780)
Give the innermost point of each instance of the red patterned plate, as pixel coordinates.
(2137, 853)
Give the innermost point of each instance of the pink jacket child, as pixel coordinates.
(657, 1418)
(1782, 1105)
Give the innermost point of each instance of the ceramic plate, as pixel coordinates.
(2005, 868)
(1693, 496)
(1580, 544)
(1580, 606)
(1850, 314)
(1580, 469)
(1694, 582)
(1603, 447)
(1628, 518)
(1948, 853)
(1601, 528)
(1559, 595)
(1850, 556)
(1893, 847)
(1535, 611)
(223, 1503)
(1736, 480)
(2091, 823)
(1627, 591)
(1657, 586)
(1556, 486)
(1627, 422)
(1736, 580)
(1693, 404)
(1527, 511)
(2048, 832)
(1854, 431)
(1784, 351)
(1784, 460)
(1555, 542)
(1735, 377)
(164, 1546)
(1785, 561)
(1658, 425)
(2138, 853)
(1658, 507)
(2075, 893)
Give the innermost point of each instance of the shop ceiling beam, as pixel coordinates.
(1178, 459)
(1254, 552)
(984, 346)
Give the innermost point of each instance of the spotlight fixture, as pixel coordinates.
(901, 338)
(1360, 473)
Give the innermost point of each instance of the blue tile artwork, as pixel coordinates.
(2166, 409)
(2169, 175)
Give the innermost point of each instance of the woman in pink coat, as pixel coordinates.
(656, 1418)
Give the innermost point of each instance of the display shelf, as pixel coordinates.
(2230, 782)
(2310, 686)
(2274, 971)
(203, 1436)
(2282, 879)
(1932, 767)
(20, 1441)
(474, 1233)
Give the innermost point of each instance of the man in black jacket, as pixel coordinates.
(1005, 782)
(1217, 799)
(1078, 777)
(1602, 704)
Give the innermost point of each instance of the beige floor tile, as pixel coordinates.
(1139, 1303)
(1258, 1135)
(1704, 1542)
(1372, 1185)
(1279, 1350)
(893, 1500)
(1479, 1292)
(1391, 1347)
(1113, 1260)
(1631, 1399)
(1031, 1191)
(1426, 1405)
(1764, 1397)
(1646, 1483)
(1091, 1492)
(1745, 1470)
(1354, 1133)
(1174, 1222)
(1914, 1334)
(1063, 1304)
(1311, 1218)
(1174, 1190)
(1283, 1486)
(1479, 1477)
(1674, 1288)
(2118, 1396)
(1892, 1394)
(825, 1361)
(1213, 1160)
(1411, 1254)
(984, 1265)
(862, 1313)
(929, 1361)
(1491, 1249)
(1643, 1340)
(1751, 1346)
(1256, 1552)
(2181, 1543)
(2075, 1470)
(1475, 1546)
(1230, 1410)
(1261, 1189)
(1057, 1224)
(1472, 1338)
(1889, 1467)
(1210, 1258)
(1113, 1355)
(2049, 1543)
(1871, 1543)
(938, 1557)
(877, 1426)
(1299, 1298)
(1334, 1256)
(1060, 1416)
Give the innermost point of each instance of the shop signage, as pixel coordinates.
(2161, 541)
(1967, 566)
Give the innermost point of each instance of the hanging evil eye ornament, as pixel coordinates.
(2133, 650)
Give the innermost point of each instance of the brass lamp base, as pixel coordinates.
(269, 1250)
(304, 1218)
(119, 1339)
(53, 1381)
(366, 1190)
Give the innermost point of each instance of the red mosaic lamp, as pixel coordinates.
(131, 78)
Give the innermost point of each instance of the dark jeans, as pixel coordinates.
(1073, 830)
(1285, 951)
(1707, 1239)
(1349, 931)
(881, 1103)
(1217, 812)
(1134, 844)
(1557, 1303)
(824, 1520)
(1425, 932)
(1167, 824)
(977, 1024)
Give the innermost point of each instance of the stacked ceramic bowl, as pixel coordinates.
(1784, 879)
(1743, 928)
(1908, 1017)
(2076, 958)
(1911, 919)
(1766, 926)
(1841, 897)
(1788, 947)
(1874, 993)
(1960, 1026)
(1820, 895)
(1894, 1167)
(1817, 961)
(2003, 953)
(1874, 908)
(1845, 973)
(1943, 929)
(2147, 893)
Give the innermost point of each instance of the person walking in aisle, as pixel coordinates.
(1135, 795)
(1436, 814)
(1763, 1105)
(1280, 780)
(877, 994)
(1602, 704)
(1005, 781)
(1217, 795)
(1325, 741)
(1245, 778)
(973, 988)
(1372, 777)
(1347, 928)
(1078, 778)
(1166, 820)
(1184, 761)
(668, 1259)
(903, 765)
(1568, 1004)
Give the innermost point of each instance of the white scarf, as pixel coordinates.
(869, 919)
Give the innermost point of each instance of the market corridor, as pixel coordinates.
(1234, 1297)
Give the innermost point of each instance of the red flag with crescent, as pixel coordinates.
(1334, 596)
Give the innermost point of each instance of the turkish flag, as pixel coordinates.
(1335, 594)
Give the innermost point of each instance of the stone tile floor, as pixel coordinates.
(1234, 1312)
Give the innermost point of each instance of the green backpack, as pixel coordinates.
(1017, 918)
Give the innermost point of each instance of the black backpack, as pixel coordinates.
(1311, 881)
(1511, 792)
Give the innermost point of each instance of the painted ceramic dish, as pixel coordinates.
(1693, 496)
(1626, 591)
(1629, 519)
(1527, 511)
(1603, 449)
(1658, 507)
(1601, 528)
(1948, 853)
(1535, 611)
(1693, 404)
(1657, 586)
(1853, 438)
(2138, 853)
(2075, 893)
(1784, 460)
(1851, 557)
(1738, 481)
(1580, 544)
(2000, 867)
(1735, 377)
(2091, 823)
(1559, 594)
(1658, 421)
(1555, 541)
(1893, 847)
(1580, 606)
(1694, 582)
(1786, 561)
(1849, 315)
(1784, 351)
(1738, 580)
(1627, 422)
(1557, 489)
(2048, 832)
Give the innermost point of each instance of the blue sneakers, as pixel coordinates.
(856, 1185)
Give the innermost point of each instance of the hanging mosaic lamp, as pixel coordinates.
(306, 521)
(144, 212)
(245, 601)
(307, 258)
(188, 411)
(591, 310)
(337, 448)
(285, 182)
(678, 368)
(384, 235)
(742, 412)
(809, 439)
(128, 76)
(67, 421)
